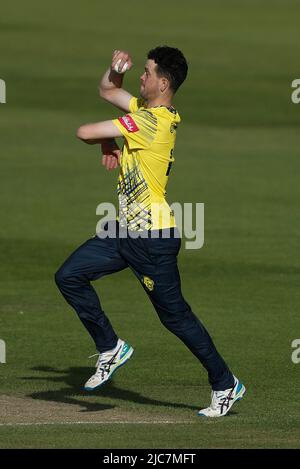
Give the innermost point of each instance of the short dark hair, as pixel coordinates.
(171, 64)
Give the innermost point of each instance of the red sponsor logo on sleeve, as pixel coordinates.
(128, 123)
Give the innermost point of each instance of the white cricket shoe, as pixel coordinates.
(107, 363)
(222, 401)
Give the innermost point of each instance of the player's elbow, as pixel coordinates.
(103, 93)
(82, 133)
(107, 95)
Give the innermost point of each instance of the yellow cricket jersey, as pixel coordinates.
(146, 161)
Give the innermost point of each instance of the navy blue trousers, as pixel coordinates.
(154, 262)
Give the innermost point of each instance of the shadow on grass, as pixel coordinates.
(74, 377)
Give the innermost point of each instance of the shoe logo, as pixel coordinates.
(149, 283)
(225, 401)
(125, 350)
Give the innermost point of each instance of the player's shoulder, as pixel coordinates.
(154, 117)
(166, 116)
(136, 104)
(169, 113)
(146, 118)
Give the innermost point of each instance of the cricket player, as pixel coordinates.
(144, 236)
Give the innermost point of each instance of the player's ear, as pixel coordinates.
(164, 84)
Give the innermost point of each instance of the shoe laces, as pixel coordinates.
(99, 359)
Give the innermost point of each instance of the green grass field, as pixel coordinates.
(237, 151)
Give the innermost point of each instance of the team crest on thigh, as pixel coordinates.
(149, 283)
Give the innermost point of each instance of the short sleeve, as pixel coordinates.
(135, 104)
(139, 128)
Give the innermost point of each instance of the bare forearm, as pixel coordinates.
(110, 81)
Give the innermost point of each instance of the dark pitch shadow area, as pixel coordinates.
(74, 377)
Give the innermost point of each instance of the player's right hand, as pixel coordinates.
(124, 56)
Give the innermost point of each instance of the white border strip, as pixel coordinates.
(116, 422)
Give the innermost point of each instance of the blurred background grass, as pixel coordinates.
(237, 151)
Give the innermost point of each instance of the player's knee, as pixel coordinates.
(58, 277)
(62, 277)
(170, 322)
(175, 320)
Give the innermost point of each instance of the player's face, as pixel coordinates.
(150, 82)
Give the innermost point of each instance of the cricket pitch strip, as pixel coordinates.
(26, 411)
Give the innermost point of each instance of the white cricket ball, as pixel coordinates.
(116, 67)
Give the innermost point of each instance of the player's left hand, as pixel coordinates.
(111, 155)
(110, 162)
